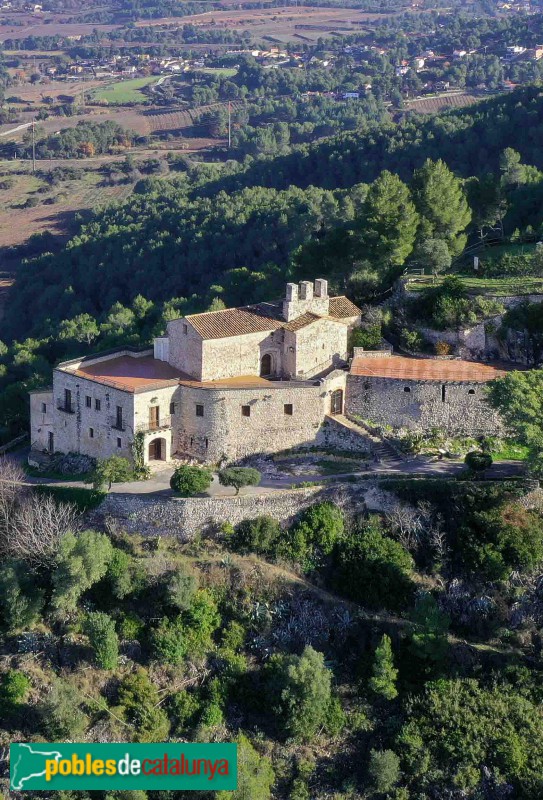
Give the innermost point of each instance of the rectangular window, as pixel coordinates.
(88, 401)
(443, 393)
(288, 409)
(207, 444)
(172, 408)
(185, 329)
(97, 405)
(199, 410)
(119, 418)
(119, 442)
(91, 433)
(67, 400)
(43, 408)
(246, 411)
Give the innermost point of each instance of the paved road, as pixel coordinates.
(424, 466)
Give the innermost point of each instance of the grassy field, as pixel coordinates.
(128, 91)
(500, 287)
(223, 72)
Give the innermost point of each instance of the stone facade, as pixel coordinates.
(459, 408)
(220, 385)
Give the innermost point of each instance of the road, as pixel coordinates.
(424, 467)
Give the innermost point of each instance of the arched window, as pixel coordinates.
(266, 365)
(407, 388)
(471, 391)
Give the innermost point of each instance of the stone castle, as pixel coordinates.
(223, 385)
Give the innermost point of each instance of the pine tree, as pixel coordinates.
(389, 222)
(441, 202)
(384, 677)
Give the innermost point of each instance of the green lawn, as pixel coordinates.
(511, 451)
(223, 72)
(496, 286)
(128, 91)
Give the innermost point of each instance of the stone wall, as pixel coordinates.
(41, 418)
(88, 429)
(318, 346)
(339, 436)
(459, 408)
(185, 517)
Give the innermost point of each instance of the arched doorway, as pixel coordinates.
(157, 450)
(266, 366)
(336, 402)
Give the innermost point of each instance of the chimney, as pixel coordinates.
(306, 290)
(292, 292)
(321, 287)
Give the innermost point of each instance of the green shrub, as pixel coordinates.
(83, 499)
(238, 477)
(478, 461)
(182, 587)
(100, 629)
(14, 686)
(299, 691)
(124, 574)
(259, 535)
(114, 469)
(383, 680)
(61, 712)
(255, 775)
(169, 642)
(384, 769)
(82, 561)
(188, 481)
(184, 710)
(139, 704)
(20, 601)
(373, 569)
(130, 626)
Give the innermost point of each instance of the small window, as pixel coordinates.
(119, 441)
(199, 410)
(367, 386)
(407, 388)
(246, 411)
(88, 401)
(471, 391)
(91, 433)
(443, 393)
(97, 405)
(207, 444)
(43, 408)
(172, 408)
(288, 409)
(191, 441)
(185, 329)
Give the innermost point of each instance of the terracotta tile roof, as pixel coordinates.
(301, 322)
(260, 318)
(237, 321)
(427, 369)
(131, 374)
(341, 307)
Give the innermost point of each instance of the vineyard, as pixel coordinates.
(432, 105)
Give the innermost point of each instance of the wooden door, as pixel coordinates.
(154, 417)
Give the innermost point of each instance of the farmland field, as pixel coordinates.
(432, 105)
(128, 91)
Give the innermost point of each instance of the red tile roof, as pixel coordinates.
(131, 374)
(260, 318)
(427, 369)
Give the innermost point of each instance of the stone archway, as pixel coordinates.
(157, 450)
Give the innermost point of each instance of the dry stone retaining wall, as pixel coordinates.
(184, 517)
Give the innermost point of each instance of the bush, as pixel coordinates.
(188, 481)
(182, 586)
(62, 716)
(373, 569)
(184, 709)
(83, 499)
(20, 601)
(255, 776)
(103, 639)
(368, 338)
(138, 700)
(124, 575)
(259, 535)
(442, 348)
(81, 562)
(478, 461)
(299, 690)
(14, 687)
(114, 469)
(315, 535)
(384, 769)
(238, 477)
(169, 642)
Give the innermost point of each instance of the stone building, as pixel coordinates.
(218, 385)
(423, 393)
